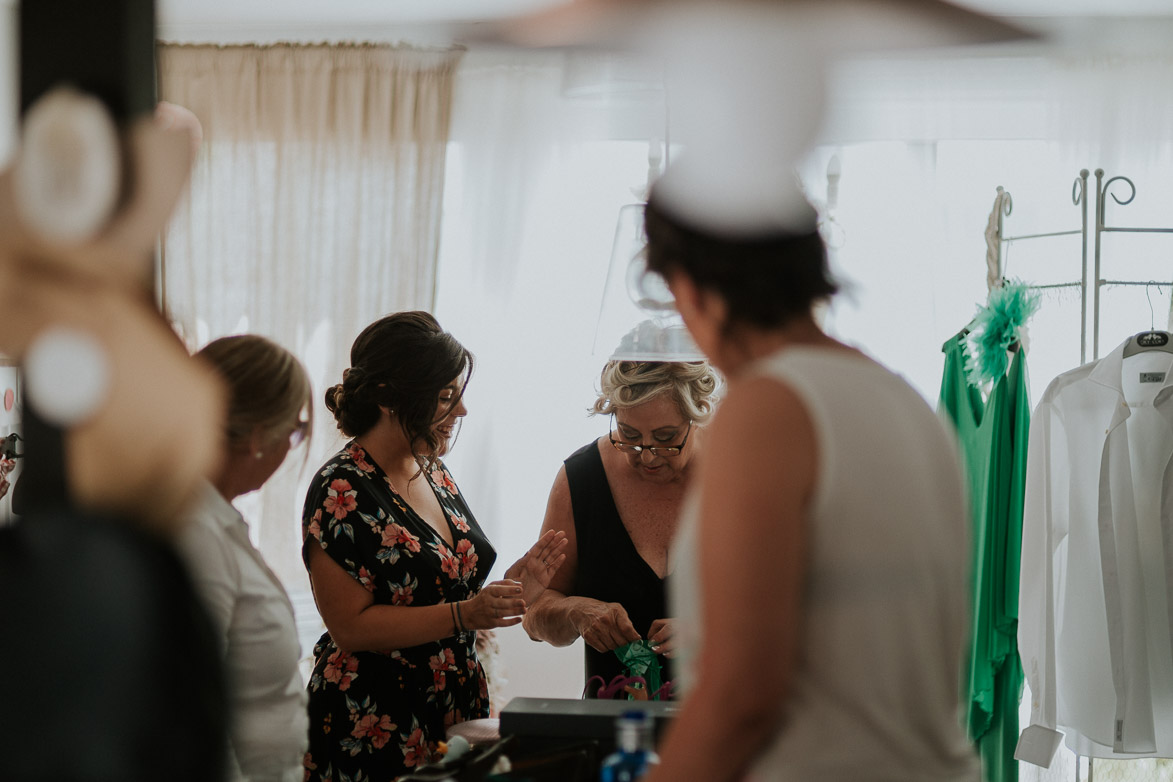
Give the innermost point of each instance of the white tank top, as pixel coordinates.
(877, 695)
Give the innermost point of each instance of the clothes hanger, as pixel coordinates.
(995, 278)
(1152, 339)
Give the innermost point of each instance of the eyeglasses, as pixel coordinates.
(654, 450)
(298, 434)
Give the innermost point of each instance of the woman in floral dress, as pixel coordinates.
(398, 562)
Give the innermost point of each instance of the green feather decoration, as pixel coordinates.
(995, 327)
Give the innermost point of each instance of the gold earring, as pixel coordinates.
(259, 454)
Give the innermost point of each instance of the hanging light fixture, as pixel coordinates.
(638, 320)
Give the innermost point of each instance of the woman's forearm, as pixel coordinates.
(381, 628)
(551, 618)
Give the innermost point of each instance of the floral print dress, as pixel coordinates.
(375, 715)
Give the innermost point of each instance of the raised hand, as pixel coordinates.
(538, 565)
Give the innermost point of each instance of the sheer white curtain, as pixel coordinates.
(314, 209)
(535, 183)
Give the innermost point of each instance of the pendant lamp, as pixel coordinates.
(638, 320)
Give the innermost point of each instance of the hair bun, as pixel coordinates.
(335, 398)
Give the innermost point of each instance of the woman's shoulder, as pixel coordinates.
(441, 479)
(350, 462)
(834, 359)
(204, 543)
(585, 454)
(759, 403)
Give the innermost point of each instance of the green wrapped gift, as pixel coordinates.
(641, 661)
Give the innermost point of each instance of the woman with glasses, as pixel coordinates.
(618, 499)
(269, 404)
(399, 563)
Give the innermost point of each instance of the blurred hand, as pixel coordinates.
(177, 119)
(662, 637)
(535, 569)
(605, 626)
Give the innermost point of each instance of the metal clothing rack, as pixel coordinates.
(1102, 193)
(1003, 205)
(996, 251)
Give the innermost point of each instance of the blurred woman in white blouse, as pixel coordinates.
(268, 415)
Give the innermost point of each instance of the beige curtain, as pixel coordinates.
(314, 209)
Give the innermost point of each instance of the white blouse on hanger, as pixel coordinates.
(1097, 558)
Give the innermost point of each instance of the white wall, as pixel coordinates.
(8, 77)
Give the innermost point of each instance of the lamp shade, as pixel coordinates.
(638, 320)
(848, 25)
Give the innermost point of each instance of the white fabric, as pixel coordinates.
(994, 242)
(535, 185)
(255, 621)
(877, 695)
(314, 209)
(1094, 623)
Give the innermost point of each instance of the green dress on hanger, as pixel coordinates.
(993, 438)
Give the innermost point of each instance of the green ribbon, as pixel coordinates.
(640, 660)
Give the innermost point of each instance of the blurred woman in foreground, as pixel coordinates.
(820, 583)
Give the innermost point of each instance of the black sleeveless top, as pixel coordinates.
(609, 567)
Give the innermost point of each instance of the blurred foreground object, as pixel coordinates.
(852, 25)
(67, 174)
(126, 686)
(119, 424)
(153, 415)
(746, 84)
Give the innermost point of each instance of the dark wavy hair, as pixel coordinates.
(401, 362)
(765, 280)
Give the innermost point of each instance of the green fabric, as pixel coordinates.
(641, 661)
(993, 437)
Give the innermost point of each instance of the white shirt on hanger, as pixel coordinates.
(1097, 566)
(255, 623)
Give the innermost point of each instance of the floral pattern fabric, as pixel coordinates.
(376, 715)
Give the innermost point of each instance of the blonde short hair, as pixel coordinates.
(267, 386)
(692, 385)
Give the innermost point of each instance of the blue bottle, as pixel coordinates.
(633, 754)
